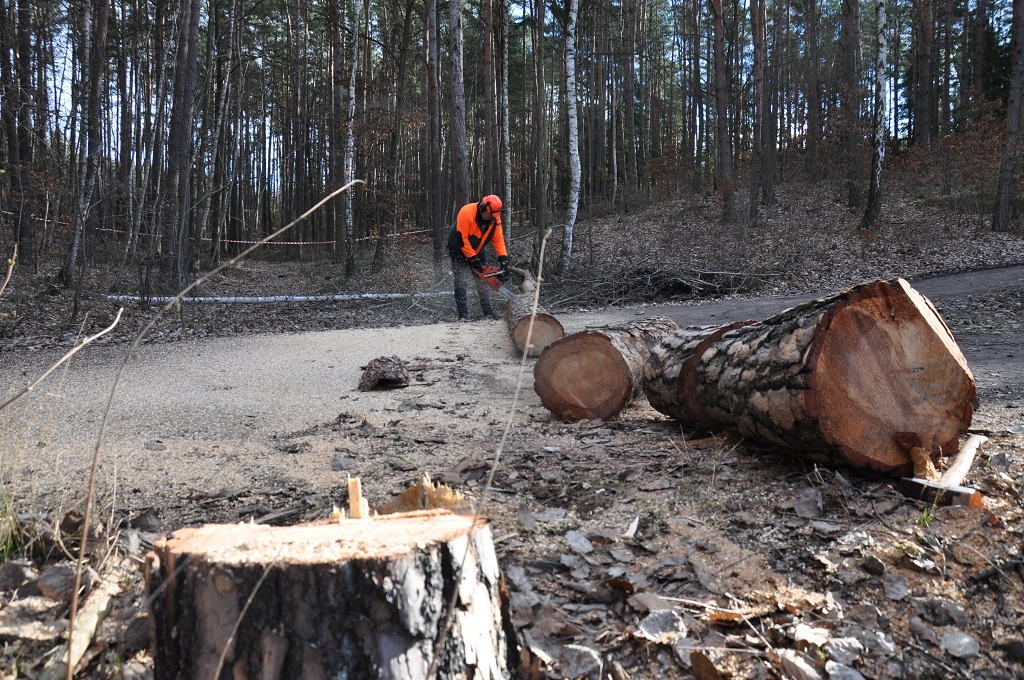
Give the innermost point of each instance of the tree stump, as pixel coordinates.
(546, 328)
(597, 373)
(844, 378)
(359, 599)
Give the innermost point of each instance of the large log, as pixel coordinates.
(518, 314)
(844, 378)
(356, 598)
(597, 373)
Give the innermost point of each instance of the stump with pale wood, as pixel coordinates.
(594, 374)
(519, 315)
(844, 378)
(355, 598)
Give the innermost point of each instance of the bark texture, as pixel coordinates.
(362, 599)
(597, 373)
(842, 378)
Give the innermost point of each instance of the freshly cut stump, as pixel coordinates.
(357, 599)
(546, 328)
(595, 374)
(844, 378)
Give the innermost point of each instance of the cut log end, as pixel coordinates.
(583, 377)
(887, 366)
(546, 328)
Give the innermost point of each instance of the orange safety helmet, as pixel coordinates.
(490, 203)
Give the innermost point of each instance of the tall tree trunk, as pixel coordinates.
(629, 26)
(506, 125)
(981, 25)
(434, 163)
(350, 139)
(757, 30)
(723, 165)
(925, 113)
(492, 176)
(92, 132)
(874, 205)
(178, 211)
(17, 126)
(539, 126)
(850, 100)
(336, 162)
(460, 164)
(1002, 214)
(812, 21)
(574, 133)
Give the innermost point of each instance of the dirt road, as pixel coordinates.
(204, 416)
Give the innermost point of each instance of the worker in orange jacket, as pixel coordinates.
(477, 225)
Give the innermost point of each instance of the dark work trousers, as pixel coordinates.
(463, 273)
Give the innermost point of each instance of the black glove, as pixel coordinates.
(503, 275)
(475, 264)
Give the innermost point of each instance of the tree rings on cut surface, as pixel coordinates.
(595, 374)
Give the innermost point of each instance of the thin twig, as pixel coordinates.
(31, 384)
(10, 268)
(131, 352)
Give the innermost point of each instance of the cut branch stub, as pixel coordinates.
(844, 377)
(597, 373)
(359, 598)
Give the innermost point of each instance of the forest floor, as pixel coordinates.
(745, 562)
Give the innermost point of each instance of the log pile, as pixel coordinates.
(355, 598)
(845, 378)
(594, 374)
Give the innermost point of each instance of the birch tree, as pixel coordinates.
(574, 132)
(874, 205)
(350, 144)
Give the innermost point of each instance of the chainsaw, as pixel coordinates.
(490, 276)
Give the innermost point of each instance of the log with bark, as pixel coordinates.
(518, 314)
(355, 598)
(844, 378)
(597, 373)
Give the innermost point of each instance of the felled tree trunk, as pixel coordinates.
(359, 598)
(546, 328)
(843, 378)
(597, 373)
(670, 377)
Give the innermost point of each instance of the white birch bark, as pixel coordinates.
(874, 205)
(574, 132)
(506, 144)
(350, 143)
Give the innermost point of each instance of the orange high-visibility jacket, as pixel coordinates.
(470, 234)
